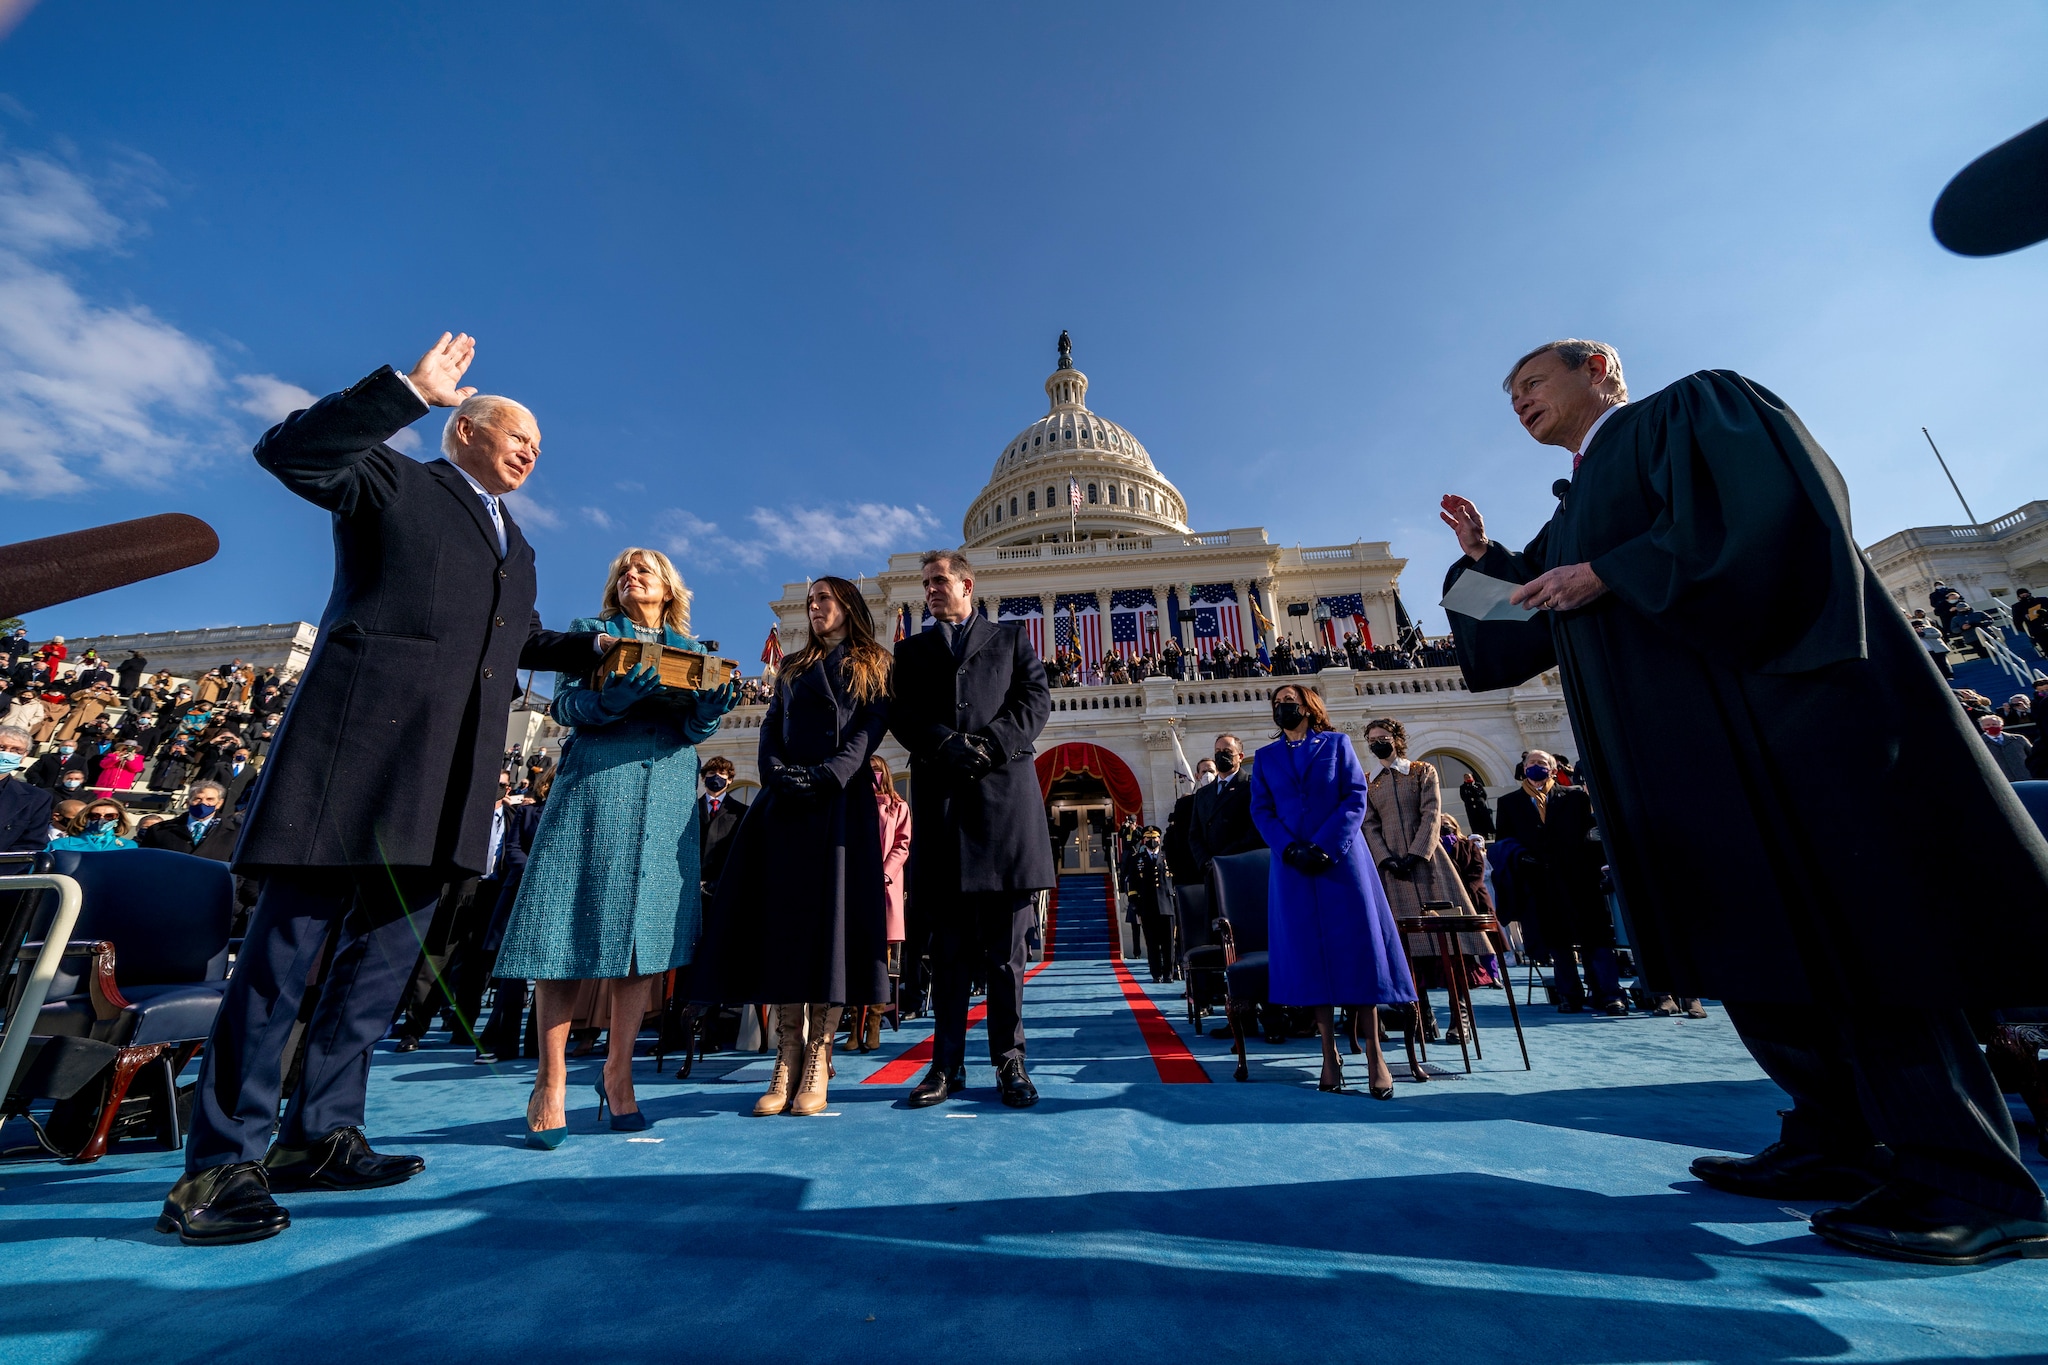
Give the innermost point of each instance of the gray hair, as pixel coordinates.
(479, 409)
(28, 740)
(1574, 354)
(207, 786)
(1549, 760)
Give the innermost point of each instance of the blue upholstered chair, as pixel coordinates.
(138, 987)
(1202, 959)
(1237, 893)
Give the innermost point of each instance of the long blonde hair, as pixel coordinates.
(675, 614)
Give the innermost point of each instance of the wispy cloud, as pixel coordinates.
(531, 511)
(597, 517)
(90, 391)
(811, 537)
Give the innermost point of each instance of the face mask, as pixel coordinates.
(1288, 714)
(74, 784)
(1205, 779)
(1536, 773)
(199, 810)
(1152, 844)
(1225, 761)
(100, 825)
(1382, 748)
(9, 762)
(715, 782)
(67, 750)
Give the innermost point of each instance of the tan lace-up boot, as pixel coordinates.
(789, 1060)
(811, 1092)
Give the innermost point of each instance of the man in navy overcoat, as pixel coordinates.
(380, 784)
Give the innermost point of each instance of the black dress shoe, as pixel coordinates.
(406, 1045)
(1018, 1091)
(1781, 1171)
(340, 1161)
(937, 1085)
(1903, 1220)
(222, 1205)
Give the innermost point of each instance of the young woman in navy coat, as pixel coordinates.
(1330, 935)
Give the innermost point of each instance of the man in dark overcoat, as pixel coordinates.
(1846, 963)
(1222, 816)
(1150, 889)
(971, 698)
(380, 786)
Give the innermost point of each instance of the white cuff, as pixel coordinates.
(411, 387)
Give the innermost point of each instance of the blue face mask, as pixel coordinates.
(1536, 773)
(199, 810)
(99, 826)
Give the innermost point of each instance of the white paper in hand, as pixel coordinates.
(1484, 598)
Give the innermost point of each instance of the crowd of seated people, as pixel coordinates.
(1067, 668)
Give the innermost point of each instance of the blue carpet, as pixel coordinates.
(1506, 1215)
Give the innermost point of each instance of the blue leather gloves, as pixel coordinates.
(716, 701)
(617, 697)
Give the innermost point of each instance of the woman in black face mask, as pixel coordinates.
(1330, 936)
(1403, 828)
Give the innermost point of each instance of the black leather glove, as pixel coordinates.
(1407, 865)
(1305, 857)
(794, 781)
(967, 755)
(1391, 865)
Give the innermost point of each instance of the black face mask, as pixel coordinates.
(1288, 714)
(1382, 748)
(715, 782)
(1226, 762)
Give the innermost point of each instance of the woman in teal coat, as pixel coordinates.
(611, 888)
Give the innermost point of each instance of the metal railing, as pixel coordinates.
(21, 1021)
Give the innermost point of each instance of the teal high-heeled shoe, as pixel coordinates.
(544, 1139)
(635, 1122)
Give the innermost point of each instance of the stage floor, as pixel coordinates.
(1147, 1209)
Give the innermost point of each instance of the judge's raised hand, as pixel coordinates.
(1462, 517)
(438, 376)
(1562, 589)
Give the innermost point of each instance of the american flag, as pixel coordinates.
(1350, 605)
(771, 653)
(1133, 622)
(1028, 612)
(1216, 617)
(1078, 612)
(1073, 492)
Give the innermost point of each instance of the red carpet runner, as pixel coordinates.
(1177, 1066)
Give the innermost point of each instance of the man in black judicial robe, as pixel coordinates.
(1845, 962)
(971, 699)
(380, 786)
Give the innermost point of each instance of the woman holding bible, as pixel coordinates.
(611, 894)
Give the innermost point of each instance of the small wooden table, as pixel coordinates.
(1443, 930)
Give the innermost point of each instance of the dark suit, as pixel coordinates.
(500, 1036)
(1221, 821)
(1145, 880)
(715, 834)
(24, 816)
(978, 849)
(379, 788)
(176, 835)
(1557, 875)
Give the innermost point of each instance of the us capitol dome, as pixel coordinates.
(1029, 496)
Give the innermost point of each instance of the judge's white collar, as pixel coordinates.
(1399, 765)
(1591, 431)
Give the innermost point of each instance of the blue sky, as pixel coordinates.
(780, 281)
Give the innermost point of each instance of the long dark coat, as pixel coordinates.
(1556, 871)
(986, 835)
(389, 751)
(1744, 872)
(800, 915)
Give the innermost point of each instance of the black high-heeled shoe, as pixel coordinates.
(1380, 1092)
(1337, 1089)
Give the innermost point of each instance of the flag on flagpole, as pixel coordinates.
(1077, 625)
(1183, 771)
(771, 653)
(1344, 605)
(1028, 613)
(1216, 618)
(1128, 626)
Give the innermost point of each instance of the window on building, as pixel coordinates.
(1013, 509)
(1112, 495)
(1031, 501)
(1148, 502)
(1091, 493)
(1051, 498)
(1036, 439)
(999, 514)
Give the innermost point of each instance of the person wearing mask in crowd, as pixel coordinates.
(865, 1035)
(25, 709)
(500, 1036)
(237, 777)
(2030, 614)
(2018, 714)
(1934, 642)
(120, 767)
(92, 672)
(1180, 856)
(88, 703)
(1975, 626)
(100, 825)
(800, 917)
(1478, 806)
(971, 702)
(1221, 820)
(173, 767)
(719, 813)
(1147, 885)
(128, 677)
(1403, 829)
(24, 808)
(54, 654)
(2009, 752)
(206, 829)
(1330, 935)
(1549, 840)
(48, 771)
(610, 894)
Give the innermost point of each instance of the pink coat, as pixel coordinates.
(895, 853)
(119, 774)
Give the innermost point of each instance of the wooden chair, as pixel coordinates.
(1443, 931)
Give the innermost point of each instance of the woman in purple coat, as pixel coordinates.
(1330, 936)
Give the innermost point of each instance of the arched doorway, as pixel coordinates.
(1087, 792)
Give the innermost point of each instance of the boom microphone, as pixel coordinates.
(42, 573)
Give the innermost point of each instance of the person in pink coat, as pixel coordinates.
(119, 769)
(866, 1033)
